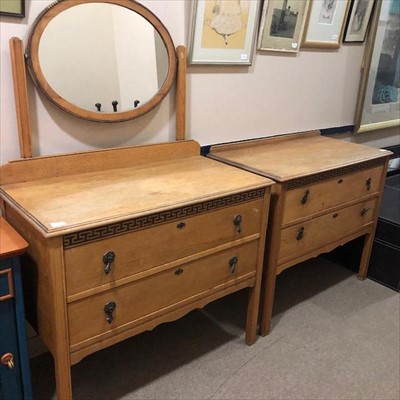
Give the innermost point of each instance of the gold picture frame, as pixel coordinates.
(223, 31)
(282, 24)
(325, 24)
(378, 104)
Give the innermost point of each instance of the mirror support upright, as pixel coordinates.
(181, 93)
(18, 67)
(21, 97)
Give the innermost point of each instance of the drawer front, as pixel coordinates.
(323, 195)
(140, 250)
(87, 317)
(302, 238)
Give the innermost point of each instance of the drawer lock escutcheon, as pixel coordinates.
(178, 271)
(364, 211)
(7, 359)
(300, 233)
(368, 183)
(305, 197)
(237, 221)
(108, 258)
(109, 308)
(232, 264)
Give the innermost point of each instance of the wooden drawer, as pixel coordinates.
(152, 295)
(146, 248)
(323, 195)
(302, 238)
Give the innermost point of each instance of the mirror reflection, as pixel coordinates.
(102, 57)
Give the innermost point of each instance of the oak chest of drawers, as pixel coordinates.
(327, 193)
(125, 239)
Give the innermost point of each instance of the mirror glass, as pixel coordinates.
(101, 60)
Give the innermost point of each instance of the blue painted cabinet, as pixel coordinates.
(15, 383)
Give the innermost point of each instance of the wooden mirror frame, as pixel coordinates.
(32, 57)
(18, 66)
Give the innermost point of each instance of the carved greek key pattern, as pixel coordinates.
(134, 224)
(307, 180)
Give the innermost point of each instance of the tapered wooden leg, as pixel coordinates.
(253, 309)
(366, 254)
(268, 300)
(252, 315)
(63, 378)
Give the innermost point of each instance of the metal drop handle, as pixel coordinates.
(109, 308)
(108, 258)
(7, 359)
(300, 233)
(237, 221)
(305, 197)
(232, 264)
(364, 211)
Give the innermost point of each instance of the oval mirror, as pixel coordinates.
(101, 60)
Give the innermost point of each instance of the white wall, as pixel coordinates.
(277, 94)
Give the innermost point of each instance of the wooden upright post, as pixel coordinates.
(181, 93)
(21, 97)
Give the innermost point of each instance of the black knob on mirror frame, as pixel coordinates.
(136, 103)
(114, 104)
(98, 106)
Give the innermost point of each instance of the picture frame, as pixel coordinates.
(378, 102)
(325, 24)
(358, 20)
(223, 32)
(282, 24)
(12, 8)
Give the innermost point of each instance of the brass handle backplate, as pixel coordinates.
(368, 183)
(7, 359)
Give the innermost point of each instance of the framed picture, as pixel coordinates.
(223, 31)
(325, 24)
(378, 104)
(282, 23)
(357, 21)
(12, 8)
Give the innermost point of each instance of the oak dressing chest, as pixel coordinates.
(125, 239)
(327, 193)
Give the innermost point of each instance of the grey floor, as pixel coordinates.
(333, 337)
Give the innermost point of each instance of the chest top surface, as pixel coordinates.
(11, 243)
(292, 156)
(69, 203)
